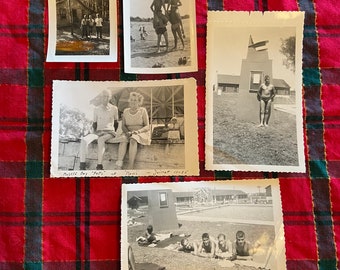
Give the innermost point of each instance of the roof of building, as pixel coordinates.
(229, 79)
(280, 83)
(235, 80)
(218, 192)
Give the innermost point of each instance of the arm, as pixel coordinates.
(115, 123)
(213, 250)
(163, 5)
(124, 127)
(273, 93)
(152, 7)
(199, 249)
(94, 126)
(95, 120)
(259, 93)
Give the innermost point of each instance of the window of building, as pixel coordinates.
(163, 199)
(255, 80)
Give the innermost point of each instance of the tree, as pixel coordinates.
(288, 50)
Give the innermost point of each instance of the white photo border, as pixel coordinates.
(62, 90)
(236, 19)
(128, 68)
(52, 38)
(278, 251)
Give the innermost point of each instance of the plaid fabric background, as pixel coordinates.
(75, 223)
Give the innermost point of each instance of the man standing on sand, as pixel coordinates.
(159, 22)
(265, 95)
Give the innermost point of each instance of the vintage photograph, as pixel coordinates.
(82, 31)
(159, 36)
(254, 91)
(202, 225)
(144, 128)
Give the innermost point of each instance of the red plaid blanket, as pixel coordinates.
(75, 223)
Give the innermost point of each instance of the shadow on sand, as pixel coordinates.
(149, 54)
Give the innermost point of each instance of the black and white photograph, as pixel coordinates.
(145, 128)
(159, 36)
(82, 31)
(203, 225)
(254, 91)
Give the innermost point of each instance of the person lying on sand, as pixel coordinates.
(207, 247)
(188, 247)
(150, 237)
(242, 249)
(224, 247)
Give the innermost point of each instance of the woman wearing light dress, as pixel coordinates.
(136, 130)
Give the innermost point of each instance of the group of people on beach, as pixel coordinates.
(87, 25)
(207, 247)
(134, 130)
(221, 247)
(165, 11)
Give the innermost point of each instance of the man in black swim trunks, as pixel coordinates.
(265, 95)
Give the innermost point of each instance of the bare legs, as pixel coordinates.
(265, 108)
(159, 36)
(85, 141)
(132, 153)
(101, 147)
(176, 31)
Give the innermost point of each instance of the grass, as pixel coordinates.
(237, 142)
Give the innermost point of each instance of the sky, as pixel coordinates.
(78, 95)
(230, 46)
(142, 9)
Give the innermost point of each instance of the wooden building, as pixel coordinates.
(71, 12)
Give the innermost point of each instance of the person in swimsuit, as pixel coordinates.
(188, 247)
(207, 247)
(159, 22)
(176, 22)
(265, 95)
(224, 247)
(242, 249)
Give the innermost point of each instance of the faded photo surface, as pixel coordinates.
(160, 36)
(254, 91)
(203, 225)
(124, 128)
(82, 31)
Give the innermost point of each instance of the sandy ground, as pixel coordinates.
(237, 142)
(156, 258)
(68, 44)
(144, 52)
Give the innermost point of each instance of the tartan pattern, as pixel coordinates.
(75, 223)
